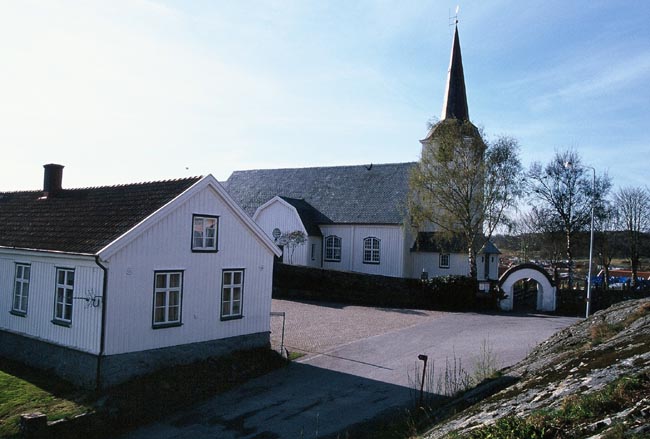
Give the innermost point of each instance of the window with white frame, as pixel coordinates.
(205, 230)
(371, 250)
(21, 289)
(63, 298)
(232, 293)
(167, 298)
(444, 260)
(333, 248)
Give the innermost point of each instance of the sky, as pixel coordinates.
(143, 90)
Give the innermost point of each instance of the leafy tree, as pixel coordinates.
(463, 186)
(291, 240)
(565, 189)
(633, 212)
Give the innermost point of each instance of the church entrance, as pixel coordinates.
(528, 288)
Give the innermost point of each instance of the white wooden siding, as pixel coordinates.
(281, 215)
(165, 245)
(317, 243)
(84, 332)
(430, 262)
(352, 236)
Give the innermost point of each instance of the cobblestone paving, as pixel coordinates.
(317, 327)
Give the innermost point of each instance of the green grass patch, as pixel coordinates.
(134, 403)
(295, 355)
(26, 390)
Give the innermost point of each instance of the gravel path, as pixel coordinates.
(316, 327)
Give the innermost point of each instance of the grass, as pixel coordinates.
(26, 390)
(131, 404)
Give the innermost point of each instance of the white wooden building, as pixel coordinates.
(106, 283)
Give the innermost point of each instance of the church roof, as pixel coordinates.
(373, 194)
(455, 103)
(81, 220)
(309, 216)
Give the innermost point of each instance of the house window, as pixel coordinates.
(444, 260)
(21, 289)
(167, 298)
(63, 298)
(232, 293)
(204, 233)
(371, 250)
(333, 248)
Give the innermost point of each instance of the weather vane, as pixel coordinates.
(453, 20)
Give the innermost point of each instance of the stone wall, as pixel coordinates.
(116, 369)
(80, 368)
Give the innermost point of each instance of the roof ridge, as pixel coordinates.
(326, 167)
(141, 183)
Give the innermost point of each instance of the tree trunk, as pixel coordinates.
(473, 272)
(569, 256)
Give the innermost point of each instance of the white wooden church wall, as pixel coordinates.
(352, 236)
(278, 215)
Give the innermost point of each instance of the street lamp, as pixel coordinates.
(591, 231)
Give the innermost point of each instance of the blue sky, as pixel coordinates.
(145, 90)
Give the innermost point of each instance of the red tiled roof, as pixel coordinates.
(81, 220)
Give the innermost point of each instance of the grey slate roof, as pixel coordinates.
(81, 220)
(309, 216)
(373, 194)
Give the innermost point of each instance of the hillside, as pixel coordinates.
(590, 380)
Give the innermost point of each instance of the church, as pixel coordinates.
(355, 217)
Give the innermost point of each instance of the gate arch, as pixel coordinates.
(545, 291)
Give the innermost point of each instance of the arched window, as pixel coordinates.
(333, 248)
(371, 250)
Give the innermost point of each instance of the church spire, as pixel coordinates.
(455, 104)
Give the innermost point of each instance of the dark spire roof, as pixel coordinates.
(455, 104)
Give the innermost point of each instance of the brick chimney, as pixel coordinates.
(52, 179)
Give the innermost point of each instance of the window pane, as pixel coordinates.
(226, 294)
(159, 315)
(160, 299)
(68, 312)
(19, 271)
(161, 281)
(227, 278)
(173, 314)
(70, 277)
(198, 241)
(198, 226)
(237, 277)
(236, 293)
(26, 272)
(59, 310)
(174, 280)
(209, 242)
(68, 297)
(61, 276)
(17, 301)
(236, 308)
(173, 298)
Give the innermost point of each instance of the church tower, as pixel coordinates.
(454, 107)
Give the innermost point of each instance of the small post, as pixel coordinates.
(33, 425)
(423, 358)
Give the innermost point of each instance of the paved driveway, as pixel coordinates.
(367, 373)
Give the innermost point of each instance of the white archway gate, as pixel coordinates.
(545, 290)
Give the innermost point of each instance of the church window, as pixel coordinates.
(333, 249)
(371, 252)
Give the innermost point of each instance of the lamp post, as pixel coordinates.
(591, 230)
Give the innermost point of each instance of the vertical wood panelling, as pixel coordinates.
(166, 246)
(352, 236)
(83, 333)
(280, 216)
(431, 263)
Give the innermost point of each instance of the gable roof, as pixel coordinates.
(374, 194)
(81, 220)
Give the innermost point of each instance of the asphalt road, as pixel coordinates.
(358, 380)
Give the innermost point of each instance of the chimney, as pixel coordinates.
(52, 179)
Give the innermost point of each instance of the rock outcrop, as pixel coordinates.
(580, 360)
